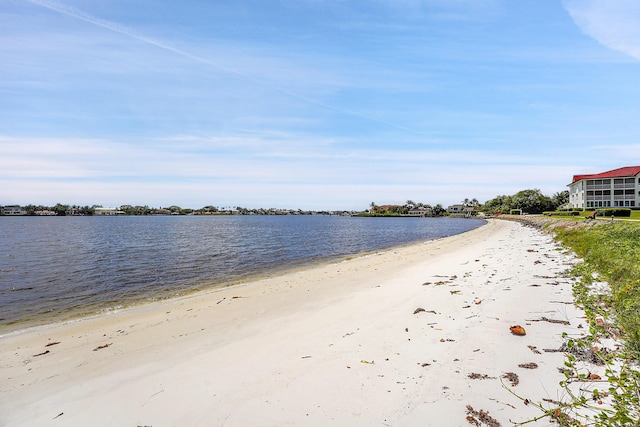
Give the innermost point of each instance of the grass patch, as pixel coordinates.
(611, 252)
(581, 214)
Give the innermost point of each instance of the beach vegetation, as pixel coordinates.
(611, 252)
(607, 288)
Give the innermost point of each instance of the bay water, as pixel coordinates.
(58, 268)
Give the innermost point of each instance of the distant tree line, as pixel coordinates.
(59, 209)
(75, 210)
(403, 210)
(529, 201)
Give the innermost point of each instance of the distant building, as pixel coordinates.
(13, 210)
(461, 210)
(610, 189)
(107, 211)
(456, 209)
(421, 212)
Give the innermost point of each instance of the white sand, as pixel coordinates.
(333, 345)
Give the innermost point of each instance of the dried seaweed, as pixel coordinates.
(583, 354)
(546, 319)
(480, 417)
(476, 376)
(530, 365)
(512, 377)
(534, 349)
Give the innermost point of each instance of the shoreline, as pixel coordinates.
(94, 308)
(335, 344)
(206, 289)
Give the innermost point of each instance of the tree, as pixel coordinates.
(60, 209)
(499, 204)
(559, 199)
(531, 201)
(438, 210)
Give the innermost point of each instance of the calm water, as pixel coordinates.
(55, 268)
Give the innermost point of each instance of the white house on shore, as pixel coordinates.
(13, 210)
(422, 212)
(107, 211)
(611, 189)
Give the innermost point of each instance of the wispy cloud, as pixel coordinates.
(613, 23)
(296, 169)
(216, 64)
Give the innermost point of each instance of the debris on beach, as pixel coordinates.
(512, 377)
(41, 354)
(594, 377)
(583, 354)
(476, 376)
(530, 365)
(546, 319)
(52, 343)
(478, 418)
(517, 330)
(420, 310)
(534, 349)
(100, 347)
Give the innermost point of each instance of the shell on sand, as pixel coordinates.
(518, 330)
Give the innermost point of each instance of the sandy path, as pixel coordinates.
(337, 344)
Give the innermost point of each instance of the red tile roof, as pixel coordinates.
(616, 173)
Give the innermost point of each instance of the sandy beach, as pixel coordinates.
(415, 335)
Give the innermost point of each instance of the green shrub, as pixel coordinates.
(617, 212)
(562, 213)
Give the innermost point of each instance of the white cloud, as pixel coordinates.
(289, 171)
(613, 23)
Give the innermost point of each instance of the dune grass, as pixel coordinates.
(611, 252)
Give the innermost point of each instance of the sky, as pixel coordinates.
(312, 104)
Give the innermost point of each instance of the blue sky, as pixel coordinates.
(312, 104)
